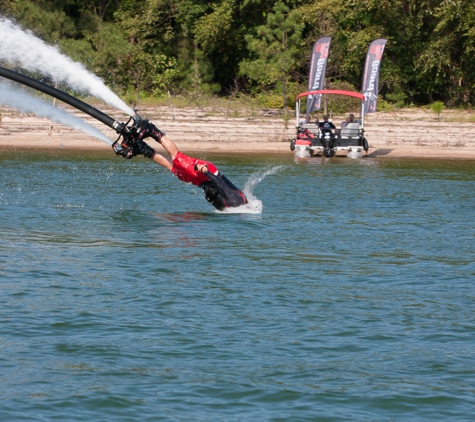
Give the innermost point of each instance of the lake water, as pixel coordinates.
(125, 296)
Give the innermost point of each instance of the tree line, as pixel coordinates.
(260, 47)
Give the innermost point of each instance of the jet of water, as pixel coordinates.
(254, 205)
(21, 100)
(24, 48)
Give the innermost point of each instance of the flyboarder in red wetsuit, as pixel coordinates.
(218, 189)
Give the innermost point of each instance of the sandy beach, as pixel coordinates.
(400, 133)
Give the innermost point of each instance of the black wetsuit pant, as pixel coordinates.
(221, 192)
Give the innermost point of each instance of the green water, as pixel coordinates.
(125, 296)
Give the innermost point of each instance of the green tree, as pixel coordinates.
(448, 60)
(6, 6)
(47, 19)
(165, 76)
(275, 49)
(212, 28)
(220, 33)
(104, 9)
(437, 107)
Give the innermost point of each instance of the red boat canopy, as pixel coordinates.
(333, 91)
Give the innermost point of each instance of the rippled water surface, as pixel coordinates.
(125, 296)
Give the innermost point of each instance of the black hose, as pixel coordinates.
(60, 95)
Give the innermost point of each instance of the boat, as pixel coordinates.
(348, 140)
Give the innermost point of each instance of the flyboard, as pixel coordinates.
(129, 132)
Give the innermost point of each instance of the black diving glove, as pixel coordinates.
(138, 148)
(141, 148)
(148, 129)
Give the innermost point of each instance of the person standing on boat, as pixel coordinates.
(218, 189)
(326, 127)
(328, 144)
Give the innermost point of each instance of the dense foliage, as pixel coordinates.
(202, 47)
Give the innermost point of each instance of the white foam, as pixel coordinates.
(254, 206)
(21, 100)
(24, 48)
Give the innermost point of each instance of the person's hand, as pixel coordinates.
(148, 129)
(203, 168)
(137, 148)
(143, 149)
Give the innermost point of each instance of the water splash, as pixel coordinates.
(21, 100)
(254, 205)
(23, 47)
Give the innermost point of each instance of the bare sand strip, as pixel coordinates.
(402, 133)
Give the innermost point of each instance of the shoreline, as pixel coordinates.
(203, 147)
(401, 134)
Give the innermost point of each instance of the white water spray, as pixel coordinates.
(254, 205)
(23, 101)
(22, 47)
